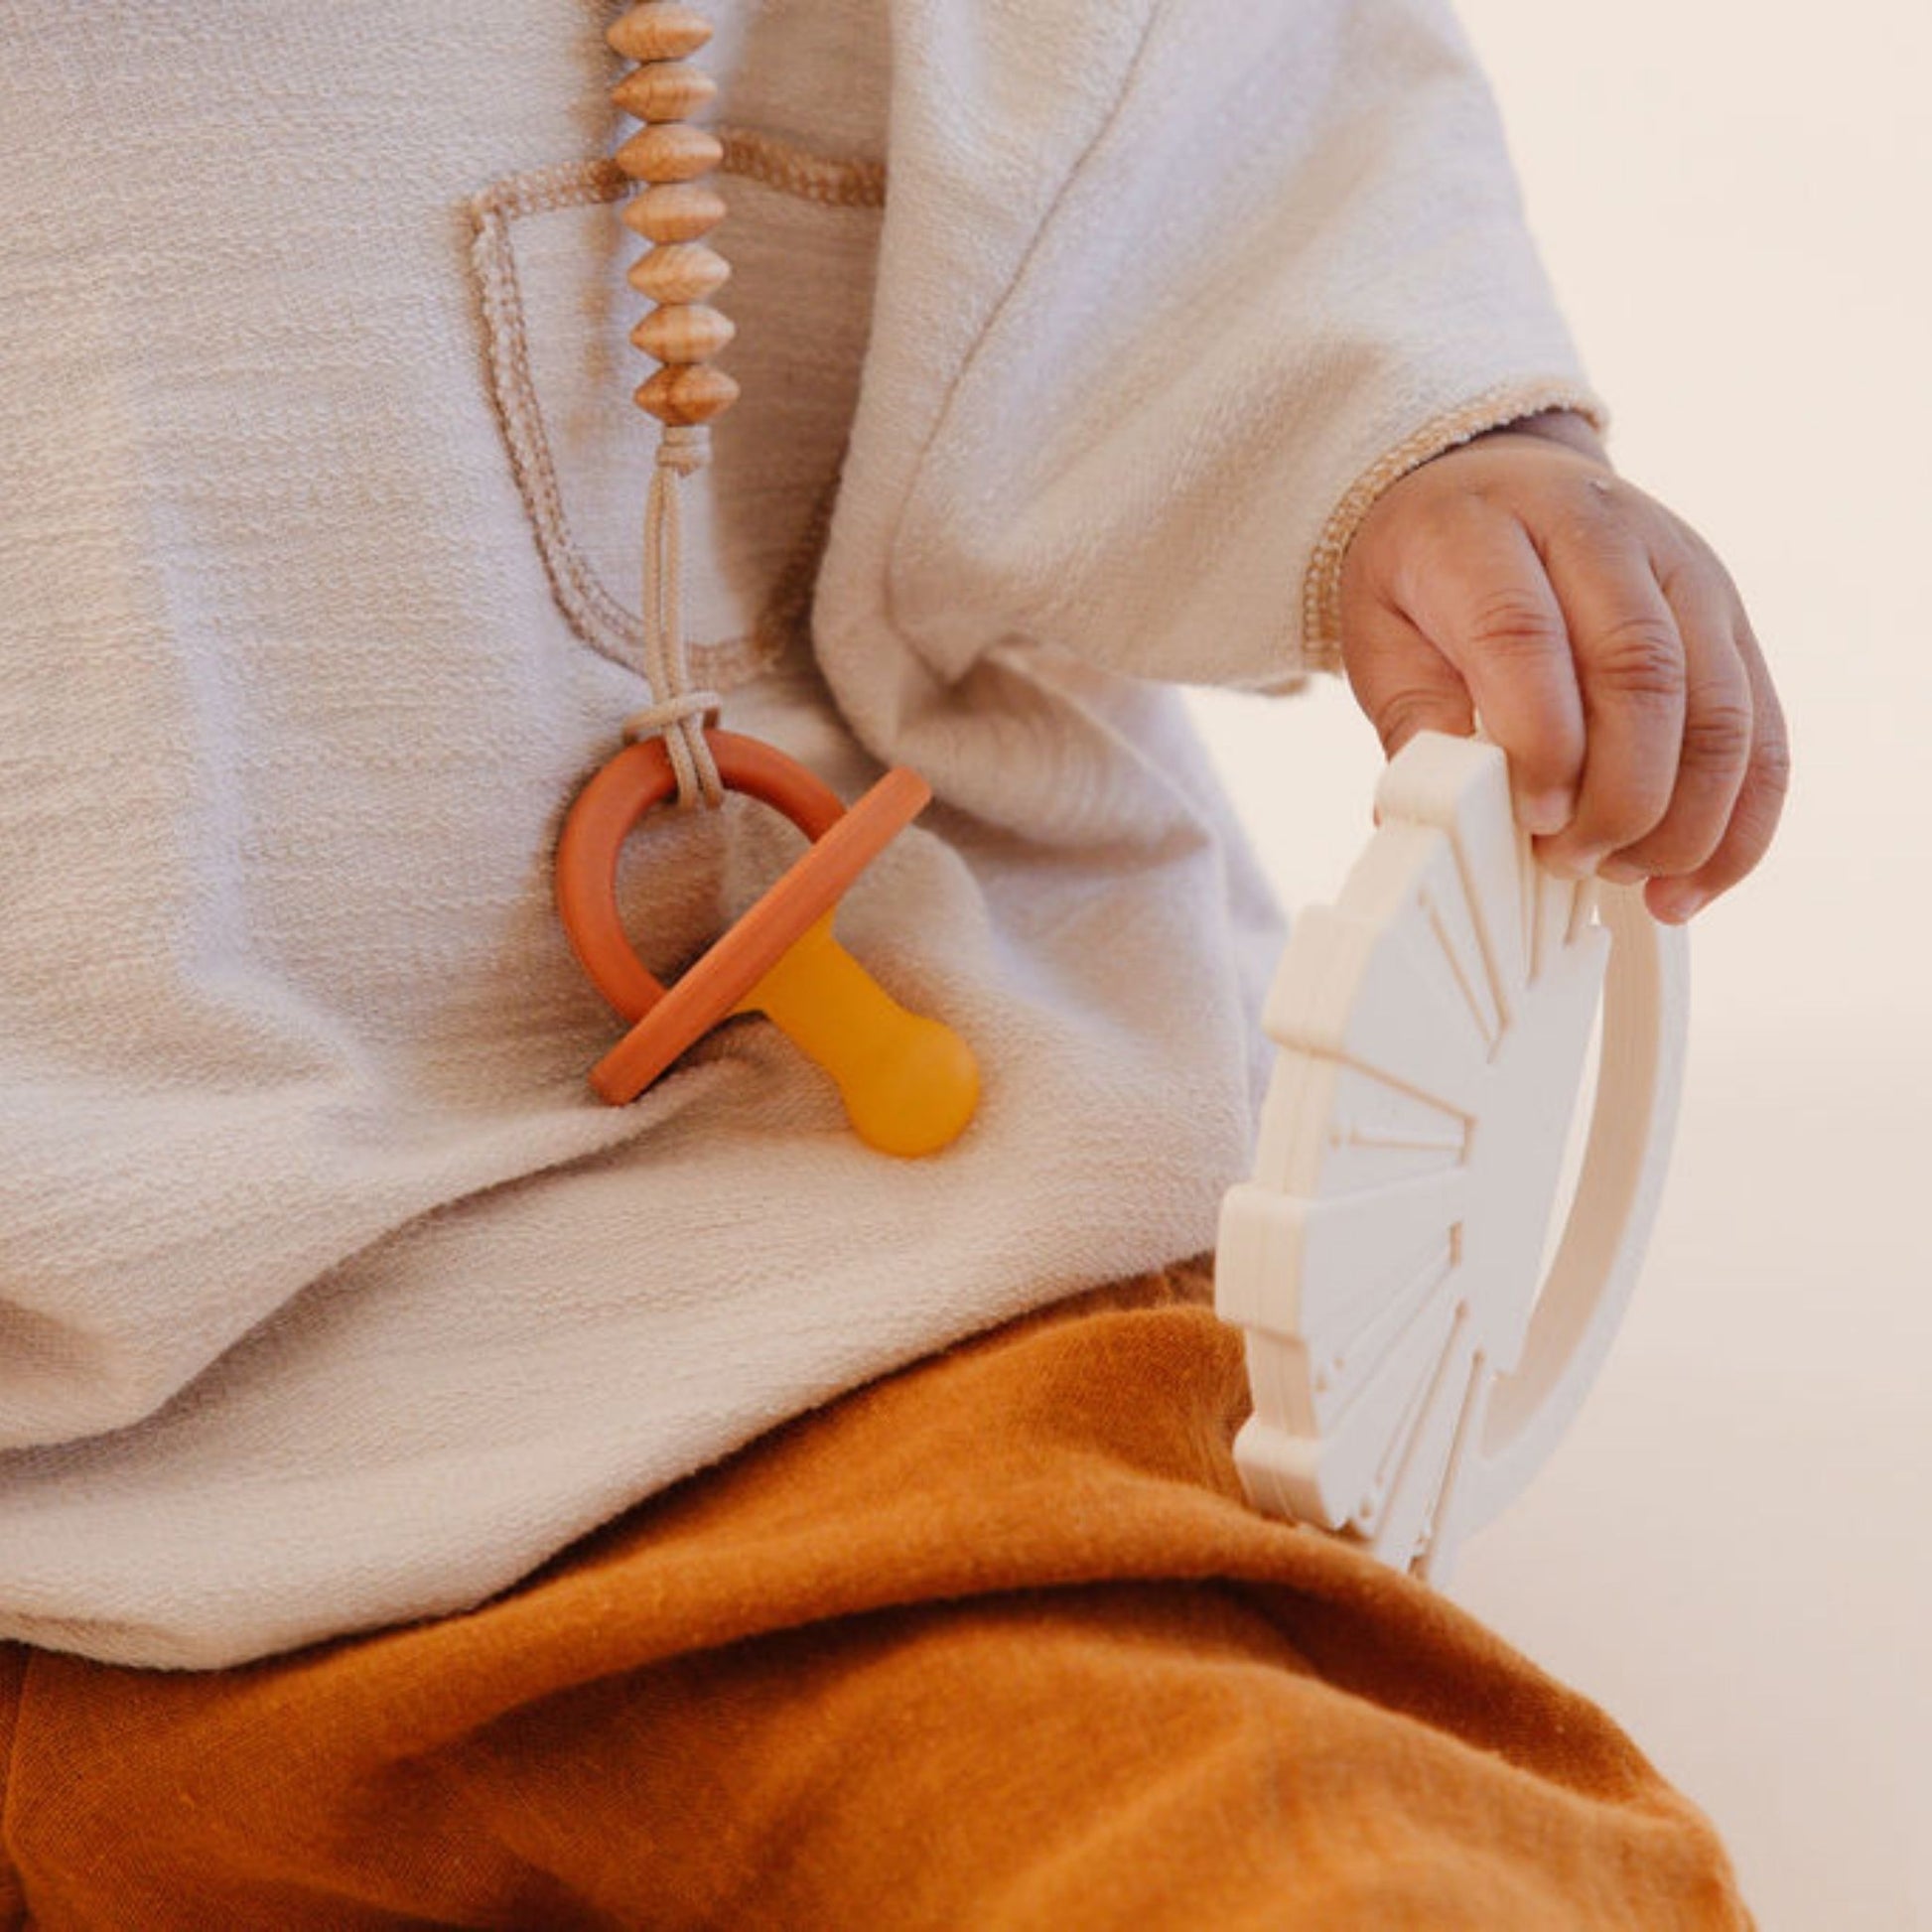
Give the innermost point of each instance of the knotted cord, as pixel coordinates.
(678, 712)
(673, 207)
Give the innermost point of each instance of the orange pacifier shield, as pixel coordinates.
(909, 1084)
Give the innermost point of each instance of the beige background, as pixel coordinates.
(1732, 1550)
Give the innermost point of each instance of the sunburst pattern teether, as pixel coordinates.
(1409, 1370)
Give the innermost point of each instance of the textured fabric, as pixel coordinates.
(991, 1643)
(329, 1294)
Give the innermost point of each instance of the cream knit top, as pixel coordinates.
(1073, 340)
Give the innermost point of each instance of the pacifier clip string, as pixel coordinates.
(908, 1084)
(679, 712)
(672, 211)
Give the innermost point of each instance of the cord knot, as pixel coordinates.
(675, 710)
(684, 447)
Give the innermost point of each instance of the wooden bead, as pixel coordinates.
(677, 211)
(679, 271)
(683, 332)
(687, 392)
(660, 29)
(670, 151)
(664, 90)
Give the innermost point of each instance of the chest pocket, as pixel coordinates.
(549, 261)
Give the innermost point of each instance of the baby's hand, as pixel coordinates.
(1599, 637)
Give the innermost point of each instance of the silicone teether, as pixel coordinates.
(1412, 1361)
(909, 1084)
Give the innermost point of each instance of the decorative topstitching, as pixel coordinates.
(601, 619)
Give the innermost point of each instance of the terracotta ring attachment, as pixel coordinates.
(667, 1019)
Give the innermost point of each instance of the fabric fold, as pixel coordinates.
(1291, 248)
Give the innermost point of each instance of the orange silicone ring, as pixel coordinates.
(669, 1020)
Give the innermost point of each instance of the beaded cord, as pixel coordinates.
(671, 210)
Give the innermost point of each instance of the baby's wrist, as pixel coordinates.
(1566, 426)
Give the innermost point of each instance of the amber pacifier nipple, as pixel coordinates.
(909, 1084)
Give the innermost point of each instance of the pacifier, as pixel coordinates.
(909, 1084)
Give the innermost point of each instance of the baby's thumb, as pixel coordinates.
(1402, 682)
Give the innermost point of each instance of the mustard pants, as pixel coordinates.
(992, 1642)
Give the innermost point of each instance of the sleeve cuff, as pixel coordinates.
(1321, 582)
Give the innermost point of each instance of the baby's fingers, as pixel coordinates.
(1479, 600)
(1760, 802)
(1631, 667)
(1717, 727)
(1603, 646)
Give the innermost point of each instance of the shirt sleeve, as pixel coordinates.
(1167, 295)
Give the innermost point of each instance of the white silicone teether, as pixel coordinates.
(1433, 1026)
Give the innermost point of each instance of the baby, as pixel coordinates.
(428, 1496)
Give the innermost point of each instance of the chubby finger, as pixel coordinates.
(1760, 803)
(1629, 660)
(1402, 682)
(1716, 748)
(1479, 593)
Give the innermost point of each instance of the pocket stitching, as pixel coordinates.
(597, 618)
